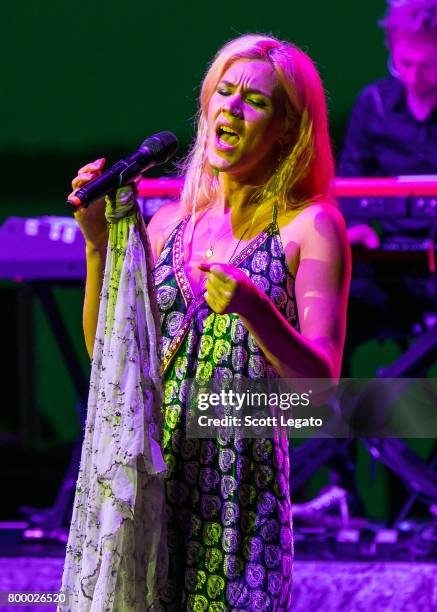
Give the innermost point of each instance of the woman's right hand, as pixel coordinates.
(91, 220)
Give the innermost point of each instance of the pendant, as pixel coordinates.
(209, 253)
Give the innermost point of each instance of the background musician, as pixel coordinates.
(393, 125)
(393, 131)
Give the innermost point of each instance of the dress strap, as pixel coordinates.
(274, 213)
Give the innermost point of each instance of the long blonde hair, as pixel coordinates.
(305, 170)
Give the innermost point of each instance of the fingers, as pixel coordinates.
(88, 173)
(96, 165)
(218, 300)
(214, 268)
(218, 290)
(83, 178)
(221, 272)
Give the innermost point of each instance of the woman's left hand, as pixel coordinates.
(228, 289)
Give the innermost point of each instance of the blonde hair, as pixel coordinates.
(410, 18)
(305, 170)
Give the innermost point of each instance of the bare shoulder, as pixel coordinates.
(162, 224)
(317, 224)
(313, 215)
(167, 216)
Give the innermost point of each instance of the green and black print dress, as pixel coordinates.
(227, 500)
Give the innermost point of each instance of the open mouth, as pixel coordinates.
(226, 136)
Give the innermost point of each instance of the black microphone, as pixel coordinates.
(155, 150)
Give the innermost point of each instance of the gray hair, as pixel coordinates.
(410, 18)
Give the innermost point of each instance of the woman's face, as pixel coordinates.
(245, 120)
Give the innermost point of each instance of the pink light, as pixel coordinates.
(394, 186)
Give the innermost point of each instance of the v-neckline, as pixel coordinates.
(182, 279)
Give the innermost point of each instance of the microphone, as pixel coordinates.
(155, 150)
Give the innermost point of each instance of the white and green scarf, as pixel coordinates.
(116, 553)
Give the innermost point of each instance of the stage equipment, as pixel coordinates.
(42, 249)
(343, 187)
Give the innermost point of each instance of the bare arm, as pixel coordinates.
(321, 290)
(94, 228)
(95, 267)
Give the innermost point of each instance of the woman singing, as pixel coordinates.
(252, 270)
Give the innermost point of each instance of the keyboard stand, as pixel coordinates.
(51, 522)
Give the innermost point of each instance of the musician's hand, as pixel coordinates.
(365, 235)
(91, 220)
(228, 289)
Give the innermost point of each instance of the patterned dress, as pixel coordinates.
(227, 499)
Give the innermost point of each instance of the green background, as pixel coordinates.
(86, 75)
(83, 80)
